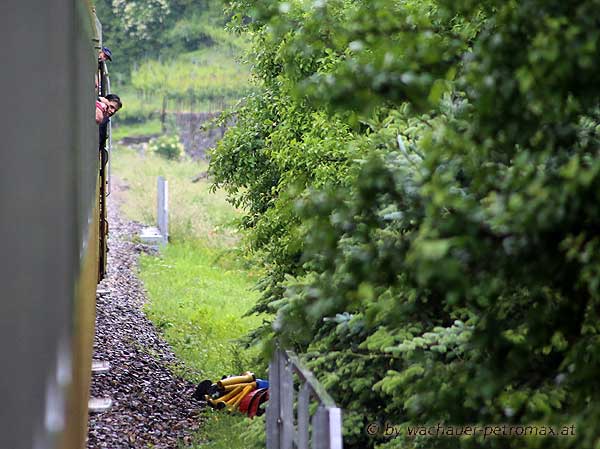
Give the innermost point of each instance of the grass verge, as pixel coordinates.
(194, 212)
(224, 431)
(197, 298)
(136, 129)
(199, 287)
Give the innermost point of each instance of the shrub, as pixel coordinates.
(167, 146)
(422, 179)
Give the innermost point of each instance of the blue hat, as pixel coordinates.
(107, 52)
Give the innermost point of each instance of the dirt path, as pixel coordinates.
(151, 407)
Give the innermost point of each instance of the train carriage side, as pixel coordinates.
(49, 226)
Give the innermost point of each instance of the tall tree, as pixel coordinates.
(422, 181)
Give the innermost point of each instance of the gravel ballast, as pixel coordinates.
(151, 407)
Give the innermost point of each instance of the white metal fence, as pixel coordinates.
(290, 423)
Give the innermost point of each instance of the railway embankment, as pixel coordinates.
(167, 320)
(152, 406)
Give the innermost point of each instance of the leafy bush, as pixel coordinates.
(167, 146)
(422, 183)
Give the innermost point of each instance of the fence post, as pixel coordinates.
(273, 404)
(303, 416)
(285, 432)
(280, 409)
(286, 403)
(327, 423)
(163, 208)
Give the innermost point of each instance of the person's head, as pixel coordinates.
(105, 54)
(114, 104)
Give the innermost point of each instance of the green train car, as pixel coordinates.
(52, 222)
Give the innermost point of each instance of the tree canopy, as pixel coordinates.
(136, 29)
(422, 182)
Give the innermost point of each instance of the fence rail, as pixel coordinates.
(300, 430)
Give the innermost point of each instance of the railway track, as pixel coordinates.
(151, 406)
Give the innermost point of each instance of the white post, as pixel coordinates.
(162, 214)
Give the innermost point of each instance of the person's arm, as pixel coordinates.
(99, 116)
(103, 100)
(100, 112)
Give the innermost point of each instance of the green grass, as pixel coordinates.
(199, 287)
(135, 129)
(225, 431)
(197, 298)
(194, 212)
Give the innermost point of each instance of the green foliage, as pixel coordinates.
(231, 431)
(198, 297)
(421, 181)
(142, 20)
(203, 30)
(136, 30)
(202, 76)
(167, 146)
